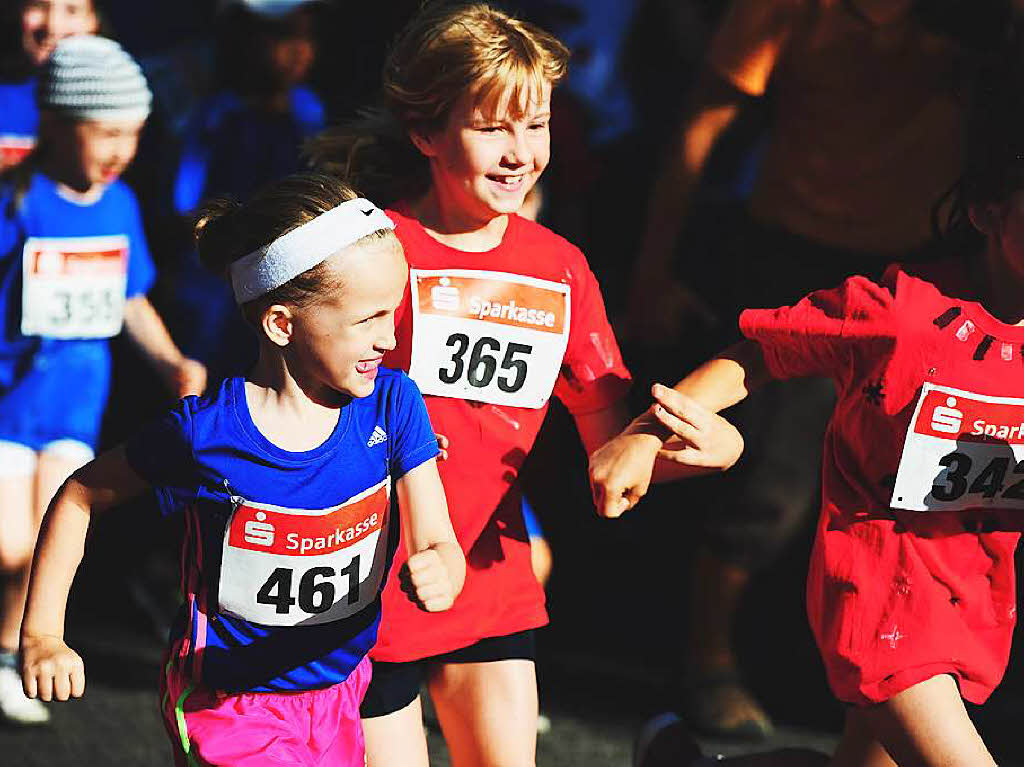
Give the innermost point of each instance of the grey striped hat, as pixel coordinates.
(93, 78)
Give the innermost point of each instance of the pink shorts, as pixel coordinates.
(316, 727)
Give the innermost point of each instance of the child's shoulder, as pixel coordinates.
(920, 285)
(392, 380)
(532, 233)
(119, 193)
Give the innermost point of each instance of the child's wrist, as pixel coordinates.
(647, 425)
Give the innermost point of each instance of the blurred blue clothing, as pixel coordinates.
(232, 149)
(19, 119)
(55, 388)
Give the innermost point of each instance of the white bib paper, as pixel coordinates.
(74, 287)
(488, 336)
(291, 567)
(962, 451)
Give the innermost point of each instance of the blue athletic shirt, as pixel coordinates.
(43, 213)
(19, 120)
(270, 535)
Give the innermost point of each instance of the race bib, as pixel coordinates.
(488, 336)
(14, 149)
(295, 567)
(963, 451)
(74, 287)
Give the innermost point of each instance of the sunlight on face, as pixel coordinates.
(485, 161)
(342, 338)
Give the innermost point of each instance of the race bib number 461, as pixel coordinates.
(488, 336)
(291, 567)
(962, 451)
(74, 287)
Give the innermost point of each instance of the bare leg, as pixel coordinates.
(928, 725)
(488, 712)
(718, 702)
(397, 738)
(17, 539)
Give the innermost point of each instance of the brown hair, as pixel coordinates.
(445, 51)
(225, 230)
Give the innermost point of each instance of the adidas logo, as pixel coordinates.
(378, 436)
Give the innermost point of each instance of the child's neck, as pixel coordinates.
(456, 228)
(294, 415)
(71, 185)
(1003, 291)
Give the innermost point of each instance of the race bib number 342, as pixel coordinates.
(962, 451)
(74, 287)
(488, 336)
(291, 567)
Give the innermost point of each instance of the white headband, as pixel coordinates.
(304, 247)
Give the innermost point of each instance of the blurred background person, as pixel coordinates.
(34, 27)
(248, 132)
(75, 270)
(863, 136)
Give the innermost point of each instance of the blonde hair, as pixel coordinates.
(444, 52)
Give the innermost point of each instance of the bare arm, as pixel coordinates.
(49, 667)
(714, 108)
(147, 331)
(621, 471)
(715, 105)
(436, 568)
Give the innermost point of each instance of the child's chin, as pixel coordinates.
(360, 389)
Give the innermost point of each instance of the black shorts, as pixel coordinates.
(394, 686)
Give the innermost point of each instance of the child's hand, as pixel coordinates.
(620, 471)
(702, 439)
(426, 581)
(50, 670)
(442, 445)
(184, 377)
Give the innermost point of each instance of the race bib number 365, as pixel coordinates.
(962, 451)
(74, 287)
(291, 567)
(488, 336)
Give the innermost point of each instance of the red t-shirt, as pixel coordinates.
(488, 337)
(923, 480)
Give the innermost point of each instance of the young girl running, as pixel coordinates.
(285, 480)
(74, 269)
(911, 589)
(41, 24)
(499, 315)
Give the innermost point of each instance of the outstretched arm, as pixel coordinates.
(50, 669)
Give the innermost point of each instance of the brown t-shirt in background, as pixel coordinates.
(867, 119)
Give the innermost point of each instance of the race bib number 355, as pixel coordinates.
(74, 287)
(291, 567)
(488, 336)
(962, 451)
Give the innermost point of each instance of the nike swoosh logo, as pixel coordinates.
(367, 212)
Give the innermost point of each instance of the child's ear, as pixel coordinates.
(423, 142)
(276, 322)
(985, 217)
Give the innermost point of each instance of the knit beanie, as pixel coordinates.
(93, 78)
